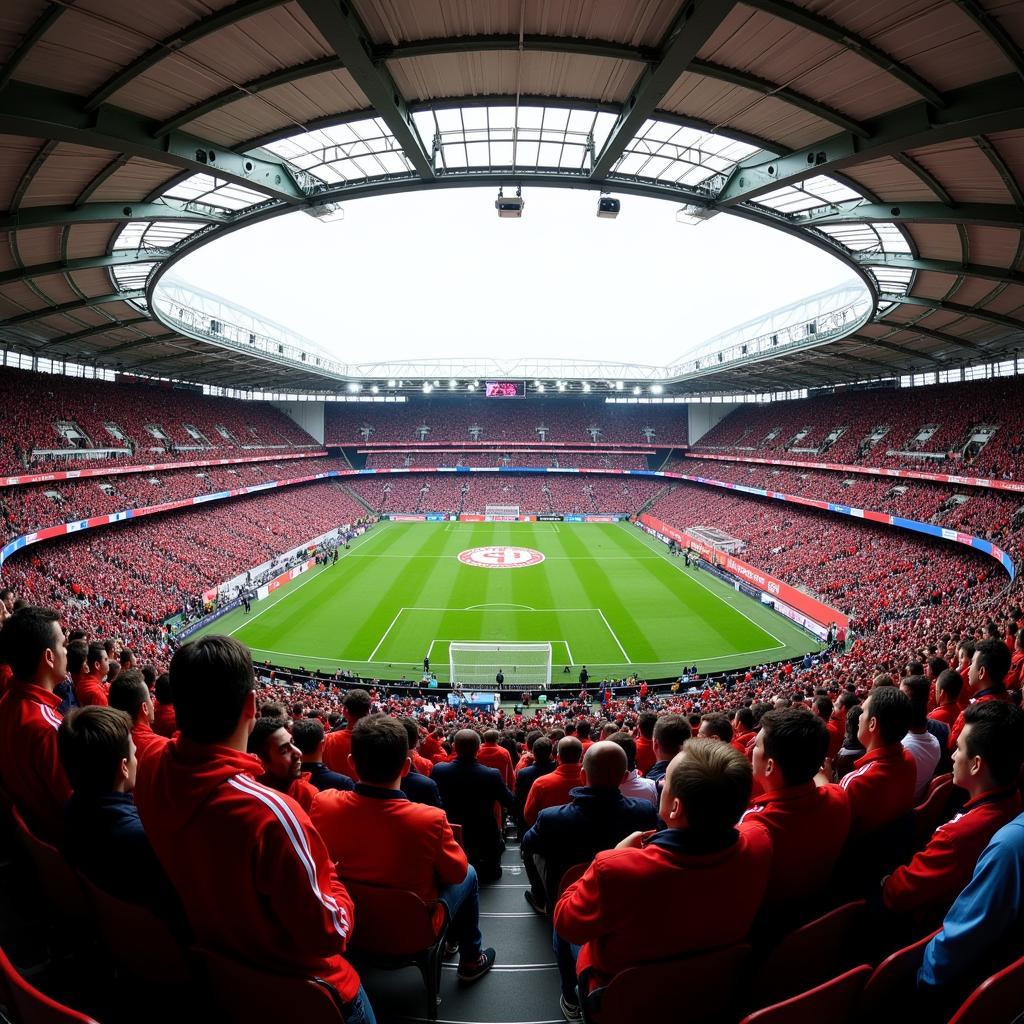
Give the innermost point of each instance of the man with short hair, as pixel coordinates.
(882, 783)
(308, 736)
(470, 791)
(164, 722)
(669, 735)
(986, 764)
(645, 757)
(543, 764)
(948, 687)
(553, 789)
(989, 665)
(491, 755)
(824, 709)
(89, 675)
(596, 818)
(377, 836)
(129, 693)
(700, 861)
(32, 643)
(417, 784)
(254, 875)
(808, 824)
(634, 786)
(744, 733)
(923, 746)
(1015, 676)
(338, 745)
(716, 726)
(271, 741)
(103, 834)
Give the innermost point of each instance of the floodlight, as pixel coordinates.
(353, 386)
(437, 383)
(586, 387)
(540, 387)
(618, 385)
(608, 208)
(453, 384)
(656, 389)
(427, 388)
(374, 389)
(694, 215)
(636, 390)
(391, 383)
(511, 206)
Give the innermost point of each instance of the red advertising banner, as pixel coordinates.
(815, 610)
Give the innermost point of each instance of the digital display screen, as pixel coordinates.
(505, 389)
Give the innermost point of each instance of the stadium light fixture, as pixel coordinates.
(637, 389)
(374, 390)
(607, 207)
(511, 206)
(586, 387)
(427, 387)
(353, 386)
(619, 385)
(391, 383)
(540, 387)
(452, 384)
(656, 389)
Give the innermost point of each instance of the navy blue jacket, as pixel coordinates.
(525, 778)
(574, 833)
(656, 773)
(323, 778)
(421, 790)
(469, 791)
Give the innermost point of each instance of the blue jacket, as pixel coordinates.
(525, 778)
(573, 833)
(984, 916)
(421, 790)
(469, 791)
(323, 778)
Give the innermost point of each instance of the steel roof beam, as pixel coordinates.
(117, 258)
(976, 312)
(345, 34)
(856, 211)
(153, 339)
(96, 213)
(691, 29)
(39, 28)
(36, 111)
(940, 336)
(71, 307)
(990, 25)
(989, 106)
(92, 332)
(902, 350)
(902, 261)
(443, 46)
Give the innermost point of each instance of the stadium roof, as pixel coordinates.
(889, 135)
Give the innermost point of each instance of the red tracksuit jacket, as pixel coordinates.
(492, 756)
(935, 875)
(551, 790)
(90, 689)
(30, 767)
(644, 754)
(146, 741)
(958, 725)
(628, 907)
(253, 874)
(165, 723)
(337, 747)
(880, 787)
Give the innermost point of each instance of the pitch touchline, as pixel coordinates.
(614, 637)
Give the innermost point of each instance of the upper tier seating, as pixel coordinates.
(576, 460)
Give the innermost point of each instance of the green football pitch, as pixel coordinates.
(607, 596)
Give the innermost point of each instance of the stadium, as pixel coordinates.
(512, 511)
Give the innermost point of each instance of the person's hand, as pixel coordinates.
(635, 840)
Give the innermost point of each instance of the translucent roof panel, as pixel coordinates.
(211, 191)
(894, 280)
(679, 155)
(814, 192)
(160, 234)
(511, 138)
(884, 237)
(341, 153)
(131, 275)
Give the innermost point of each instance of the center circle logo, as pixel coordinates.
(500, 557)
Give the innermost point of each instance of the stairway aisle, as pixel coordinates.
(522, 987)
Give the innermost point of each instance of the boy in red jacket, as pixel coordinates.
(271, 741)
(253, 874)
(378, 836)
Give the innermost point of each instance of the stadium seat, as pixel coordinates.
(834, 1002)
(56, 878)
(570, 875)
(640, 993)
(138, 940)
(394, 928)
(934, 809)
(457, 833)
(247, 994)
(810, 955)
(890, 990)
(999, 999)
(24, 1004)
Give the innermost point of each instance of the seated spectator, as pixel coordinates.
(697, 862)
(634, 786)
(852, 750)
(948, 687)
(808, 824)
(32, 643)
(376, 835)
(164, 722)
(469, 791)
(989, 666)
(824, 709)
(103, 835)
(417, 785)
(923, 746)
(1015, 676)
(986, 764)
(645, 756)
(129, 693)
(716, 726)
(670, 733)
(554, 788)
(744, 733)
(596, 818)
(254, 875)
(89, 672)
(308, 736)
(338, 745)
(543, 764)
(492, 755)
(271, 741)
(422, 765)
(882, 784)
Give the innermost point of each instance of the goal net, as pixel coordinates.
(502, 511)
(475, 664)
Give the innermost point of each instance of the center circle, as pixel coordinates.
(500, 557)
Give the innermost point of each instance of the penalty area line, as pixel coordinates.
(385, 636)
(614, 637)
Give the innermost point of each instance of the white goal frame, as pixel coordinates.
(502, 510)
(522, 664)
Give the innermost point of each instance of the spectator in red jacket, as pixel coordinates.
(948, 687)
(670, 733)
(271, 741)
(129, 693)
(743, 729)
(989, 666)
(88, 665)
(987, 763)
(552, 790)
(808, 824)
(697, 862)
(254, 875)
(32, 643)
(338, 745)
(1015, 677)
(491, 755)
(881, 785)
(824, 709)
(377, 836)
(644, 746)
(164, 721)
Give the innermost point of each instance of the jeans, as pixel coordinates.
(359, 1011)
(566, 954)
(463, 902)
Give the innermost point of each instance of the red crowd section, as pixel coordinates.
(577, 460)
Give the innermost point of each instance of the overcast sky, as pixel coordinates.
(439, 274)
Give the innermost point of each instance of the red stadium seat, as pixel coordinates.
(457, 833)
(833, 1002)
(394, 928)
(997, 1000)
(934, 809)
(810, 955)
(639, 993)
(248, 994)
(56, 878)
(24, 1004)
(571, 874)
(890, 991)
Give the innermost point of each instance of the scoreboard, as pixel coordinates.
(505, 389)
